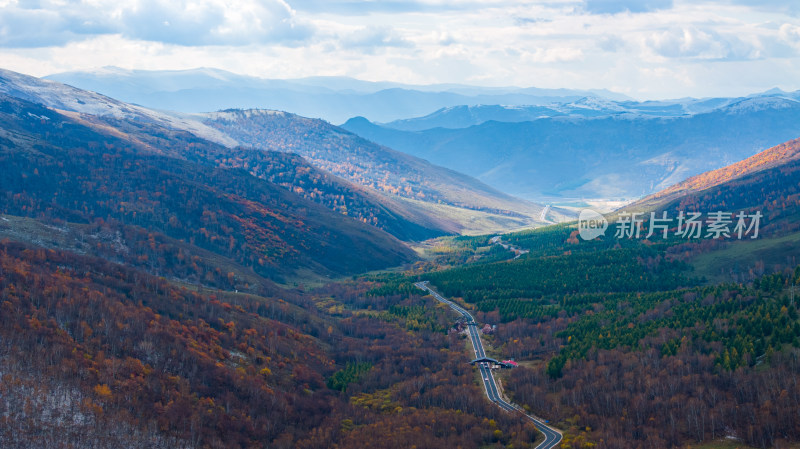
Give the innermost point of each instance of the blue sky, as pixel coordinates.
(643, 48)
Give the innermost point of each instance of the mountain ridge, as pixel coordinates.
(84, 174)
(381, 168)
(772, 157)
(420, 223)
(610, 156)
(332, 98)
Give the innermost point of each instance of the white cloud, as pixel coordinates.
(790, 34)
(213, 22)
(553, 54)
(373, 37)
(182, 22)
(690, 42)
(777, 6)
(646, 48)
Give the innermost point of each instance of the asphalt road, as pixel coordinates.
(552, 437)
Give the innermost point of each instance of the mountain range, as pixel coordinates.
(334, 99)
(245, 277)
(408, 189)
(766, 184)
(592, 149)
(453, 201)
(464, 116)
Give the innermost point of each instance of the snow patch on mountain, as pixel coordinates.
(762, 104)
(597, 104)
(235, 114)
(56, 95)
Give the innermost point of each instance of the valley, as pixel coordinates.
(428, 224)
(252, 277)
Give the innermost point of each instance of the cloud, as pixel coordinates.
(525, 21)
(370, 38)
(611, 43)
(776, 6)
(213, 22)
(620, 44)
(364, 7)
(357, 7)
(694, 43)
(38, 24)
(553, 54)
(618, 6)
(790, 34)
(180, 22)
(176, 23)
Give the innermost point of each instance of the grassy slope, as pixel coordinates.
(747, 257)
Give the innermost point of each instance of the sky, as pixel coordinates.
(647, 49)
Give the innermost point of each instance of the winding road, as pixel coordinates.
(552, 437)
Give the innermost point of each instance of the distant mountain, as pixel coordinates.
(456, 202)
(464, 116)
(334, 99)
(618, 154)
(449, 203)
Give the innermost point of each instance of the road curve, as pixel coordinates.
(552, 437)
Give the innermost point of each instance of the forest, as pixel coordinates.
(623, 346)
(64, 172)
(125, 358)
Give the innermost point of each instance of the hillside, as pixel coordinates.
(767, 183)
(287, 170)
(98, 354)
(64, 97)
(782, 154)
(189, 138)
(119, 351)
(380, 168)
(57, 169)
(397, 177)
(615, 155)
